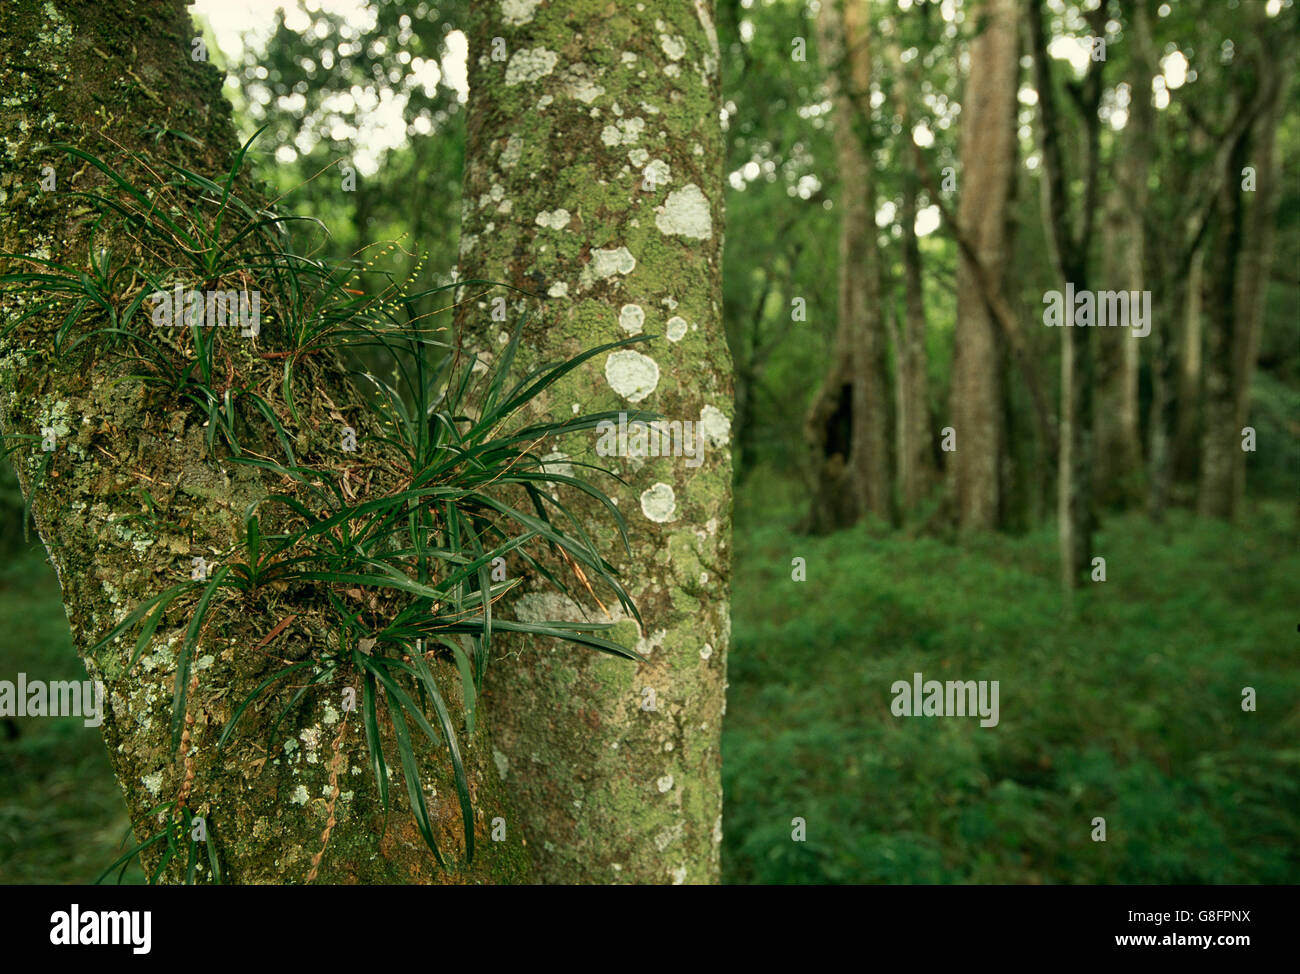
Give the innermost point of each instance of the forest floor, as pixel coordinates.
(1131, 712)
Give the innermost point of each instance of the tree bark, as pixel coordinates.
(1259, 232)
(1069, 234)
(848, 424)
(1237, 269)
(92, 75)
(593, 178)
(988, 154)
(914, 436)
(1118, 431)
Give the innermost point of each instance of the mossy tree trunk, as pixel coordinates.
(133, 493)
(593, 178)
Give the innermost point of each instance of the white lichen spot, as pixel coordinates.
(558, 290)
(686, 212)
(672, 70)
(529, 64)
(153, 782)
(658, 173)
(628, 57)
(555, 219)
(544, 102)
(579, 84)
(556, 463)
(502, 762)
(664, 784)
(676, 328)
(667, 836)
(706, 652)
(623, 132)
(638, 157)
(714, 426)
(310, 737)
(300, 795)
(605, 263)
(645, 645)
(659, 503)
(331, 715)
(679, 876)
(511, 153)
(674, 46)
(518, 12)
(631, 374)
(631, 319)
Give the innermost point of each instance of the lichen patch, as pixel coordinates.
(631, 374)
(659, 503)
(686, 213)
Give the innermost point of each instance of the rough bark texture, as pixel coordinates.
(988, 153)
(93, 74)
(593, 176)
(848, 424)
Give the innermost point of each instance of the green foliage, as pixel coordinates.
(404, 566)
(1132, 712)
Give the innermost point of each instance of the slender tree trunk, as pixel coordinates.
(1221, 435)
(1187, 423)
(1257, 247)
(988, 153)
(593, 177)
(915, 445)
(848, 424)
(1118, 432)
(1069, 233)
(118, 440)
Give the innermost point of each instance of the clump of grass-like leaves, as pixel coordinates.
(396, 571)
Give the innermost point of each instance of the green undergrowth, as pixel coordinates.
(1132, 712)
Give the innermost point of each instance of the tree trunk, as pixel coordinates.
(1069, 233)
(119, 441)
(988, 154)
(1118, 431)
(1221, 434)
(593, 177)
(1187, 422)
(848, 423)
(1257, 245)
(915, 443)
